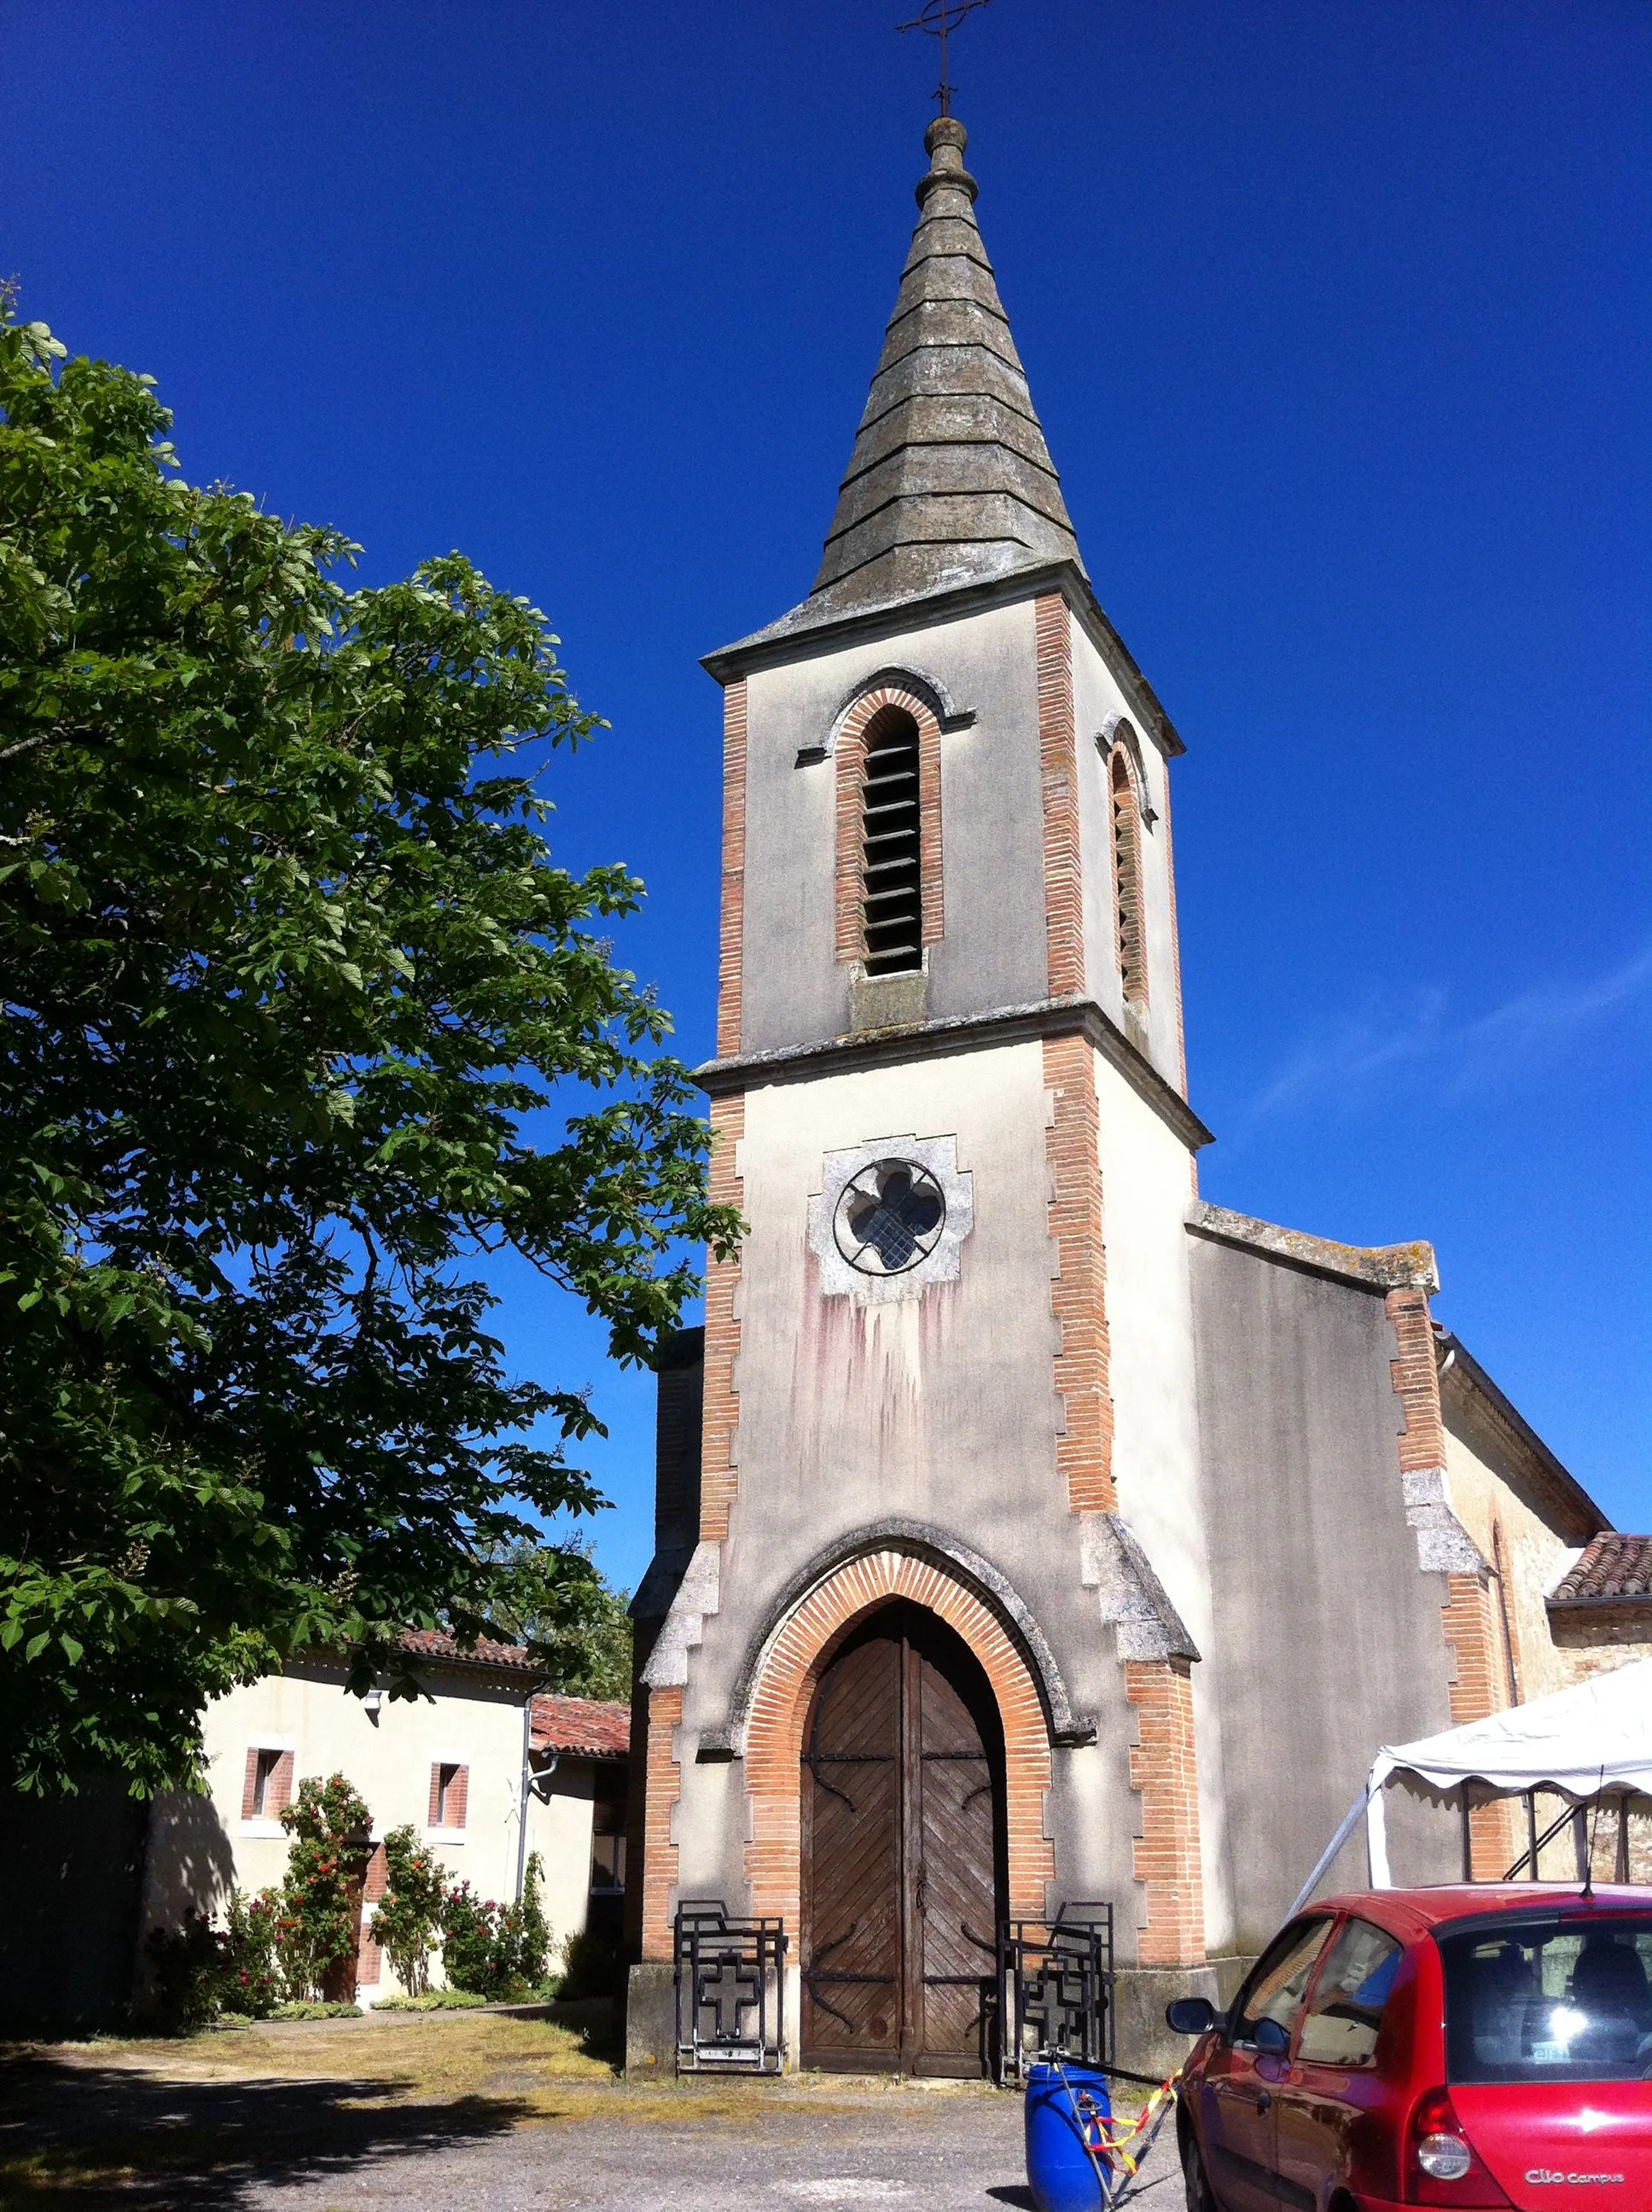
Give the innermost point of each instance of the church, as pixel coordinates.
(1033, 1538)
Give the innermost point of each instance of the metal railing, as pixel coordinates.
(731, 1991)
(1057, 1982)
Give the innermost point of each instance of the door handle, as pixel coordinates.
(1264, 2099)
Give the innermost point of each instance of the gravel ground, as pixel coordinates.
(922, 2150)
(455, 2114)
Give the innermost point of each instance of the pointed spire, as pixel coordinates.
(951, 482)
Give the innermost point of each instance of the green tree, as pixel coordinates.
(555, 1599)
(286, 969)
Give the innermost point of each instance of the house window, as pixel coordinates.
(891, 862)
(450, 1788)
(268, 1787)
(1131, 921)
(607, 1865)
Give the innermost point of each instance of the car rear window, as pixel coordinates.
(1549, 1999)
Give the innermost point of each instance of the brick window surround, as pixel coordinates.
(849, 756)
(1129, 913)
(450, 1790)
(267, 1786)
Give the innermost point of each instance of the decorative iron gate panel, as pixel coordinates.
(731, 1991)
(1058, 1986)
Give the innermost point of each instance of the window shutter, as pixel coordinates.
(434, 1818)
(250, 1786)
(369, 1958)
(279, 1793)
(459, 1791)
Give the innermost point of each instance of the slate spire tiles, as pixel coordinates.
(951, 482)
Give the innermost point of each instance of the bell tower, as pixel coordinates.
(932, 1471)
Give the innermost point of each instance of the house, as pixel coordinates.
(485, 1766)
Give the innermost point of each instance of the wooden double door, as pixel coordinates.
(903, 1784)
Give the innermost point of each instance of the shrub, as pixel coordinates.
(409, 1915)
(188, 1973)
(327, 2010)
(431, 2001)
(591, 1968)
(492, 1950)
(332, 1830)
(252, 1982)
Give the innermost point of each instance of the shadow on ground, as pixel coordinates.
(72, 2133)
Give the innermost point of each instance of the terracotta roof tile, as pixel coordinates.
(1613, 1568)
(434, 1643)
(585, 1727)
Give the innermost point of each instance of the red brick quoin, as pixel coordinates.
(1479, 1686)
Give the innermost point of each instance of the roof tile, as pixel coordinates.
(1612, 1567)
(585, 1727)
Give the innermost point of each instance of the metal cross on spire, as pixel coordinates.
(938, 17)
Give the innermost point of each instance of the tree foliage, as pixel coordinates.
(286, 972)
(556, 1599)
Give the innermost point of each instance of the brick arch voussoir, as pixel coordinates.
(801, 1655)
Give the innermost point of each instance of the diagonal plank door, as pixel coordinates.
(902, 1784)
(852, 1863)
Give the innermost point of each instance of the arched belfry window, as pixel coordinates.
(891, 851)
(1132, 920)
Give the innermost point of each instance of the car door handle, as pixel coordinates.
(1264, 2099)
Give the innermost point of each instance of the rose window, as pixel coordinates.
(889, 1217)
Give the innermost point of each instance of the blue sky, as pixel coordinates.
(1337, 318)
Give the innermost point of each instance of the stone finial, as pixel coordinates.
(945, 142)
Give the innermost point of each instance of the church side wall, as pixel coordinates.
(794, 989)
(1328, 1636)
(1514, 1525)
(940, 1410)
(1156, 1447)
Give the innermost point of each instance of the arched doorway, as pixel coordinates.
(904, 1858)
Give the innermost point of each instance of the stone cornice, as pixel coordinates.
(1380, 1268)
(800, 635)
(1046, 1017)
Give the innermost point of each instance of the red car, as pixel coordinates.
(1471, 2047)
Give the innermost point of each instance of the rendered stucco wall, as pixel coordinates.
(1328, 1636)
(939, 1411)
(1098, 703)
(1153, 1379)
(992, 955)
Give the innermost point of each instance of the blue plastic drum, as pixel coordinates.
(1060, 2171)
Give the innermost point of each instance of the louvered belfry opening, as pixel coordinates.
(891, 867)
(1127, 858)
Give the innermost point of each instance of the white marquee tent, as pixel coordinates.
(1596, 1737)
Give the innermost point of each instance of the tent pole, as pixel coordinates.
(1620, 1872)
(1468, 1839)
(1531, 1831)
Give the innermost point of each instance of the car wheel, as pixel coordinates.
(1200, 2196)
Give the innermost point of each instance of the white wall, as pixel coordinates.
(1154, 1383)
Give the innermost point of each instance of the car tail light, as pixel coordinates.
(1443, 2166)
